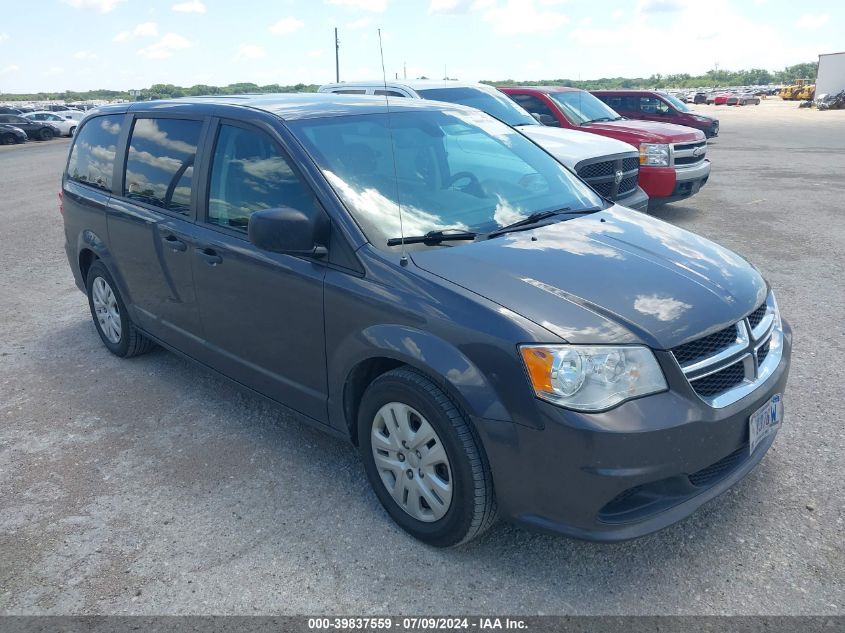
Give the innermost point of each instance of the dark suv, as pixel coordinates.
(429, 284)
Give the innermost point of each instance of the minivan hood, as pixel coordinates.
(648, 131)
(615, 276)
(571, 147)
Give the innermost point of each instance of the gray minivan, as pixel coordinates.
(428, 283)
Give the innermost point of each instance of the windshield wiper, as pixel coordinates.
(538, 217)
(434, 237)
(601, 119)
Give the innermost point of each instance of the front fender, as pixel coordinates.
(435, 357)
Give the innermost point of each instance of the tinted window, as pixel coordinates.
(389, 93)
(13, 119)
(249, 173)
(349, 92)
(490, 101)
(160, 163)
(92, 157)
(533, 104)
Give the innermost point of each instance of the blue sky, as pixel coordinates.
(122, 44)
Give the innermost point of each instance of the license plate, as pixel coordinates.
(764, 421)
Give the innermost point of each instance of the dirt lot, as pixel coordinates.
(150, 486)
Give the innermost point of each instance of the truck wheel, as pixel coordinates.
(424, 460)
(118, 333)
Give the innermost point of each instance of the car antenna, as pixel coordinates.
(403, 260)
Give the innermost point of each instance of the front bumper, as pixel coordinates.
(670, 184)
(712, 130)
(625, 473)
(638, 200)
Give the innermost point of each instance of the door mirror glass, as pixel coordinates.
(285, 230)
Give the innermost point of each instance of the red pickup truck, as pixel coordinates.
(673, 165)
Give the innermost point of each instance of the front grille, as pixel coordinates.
(627, 186)
(684, 154)
(720, 381)
(682, 147)
(596, 170)
(689, 160)
(756, 317)
(721, 469)
(602, 176)
(630, 164)
(763, 351)
(705, 346)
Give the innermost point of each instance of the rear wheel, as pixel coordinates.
(111, 318)
(46, 134)
(424, 460)
(7, 139)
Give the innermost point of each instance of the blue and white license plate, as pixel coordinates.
(764, 421)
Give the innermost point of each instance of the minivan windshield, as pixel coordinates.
(580, 107)
(453, 169)
(492, 102)
(677, 103)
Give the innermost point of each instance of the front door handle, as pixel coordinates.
(175, 244)
(210, 256)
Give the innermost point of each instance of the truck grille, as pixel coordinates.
(726, 365)
(689, 154)
(612, 178)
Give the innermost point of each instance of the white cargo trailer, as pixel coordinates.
(830, 79)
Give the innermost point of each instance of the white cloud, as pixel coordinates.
(315, 53)
(13, 68)
(84, 55)
(617, 14)
(250, 51)
(374, 6)
(810, 21)
(55, 70)
(286, 25)
(4, 37)
(165, 47)
(521, 16)
(359, 24)
(145, 29)
(193, 6)
(103, 6)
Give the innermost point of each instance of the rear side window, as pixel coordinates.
(249, 173)
(160, 162)
(92, 157)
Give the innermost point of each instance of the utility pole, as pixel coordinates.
(336, 57)
(405, 69)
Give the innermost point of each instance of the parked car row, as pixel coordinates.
(19, 129)
(663, 155)
(435, 286)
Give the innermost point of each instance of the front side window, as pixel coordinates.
(533, 104)
(677, 103)
(453, 170)
(249, 173)
(653, 105)
(580, 107)
(92, 157)
(160, 162)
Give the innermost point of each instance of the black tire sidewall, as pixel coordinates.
(72, 131)
(122, 347)
(8, 139)
(450, 529)
(46, 135)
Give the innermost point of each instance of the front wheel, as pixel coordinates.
(424, 460)
(7, 139)
(118, 333)
(72, 131)
(46, 134)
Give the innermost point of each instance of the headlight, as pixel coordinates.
(654, 154)
(591, 378)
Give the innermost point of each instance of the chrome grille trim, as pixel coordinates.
(686, 151)
(744, 352)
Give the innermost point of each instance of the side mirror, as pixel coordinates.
(289, 231)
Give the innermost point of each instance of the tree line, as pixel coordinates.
(752, 77)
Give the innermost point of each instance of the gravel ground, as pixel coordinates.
(152, 487)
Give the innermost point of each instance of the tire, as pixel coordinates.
(128, 341)
(472, 504)
(72, 131)
(46, 134)
(7, 139)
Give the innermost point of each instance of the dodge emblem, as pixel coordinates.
(618, 176)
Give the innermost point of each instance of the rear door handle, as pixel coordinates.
(175, 244)
(210, 256)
